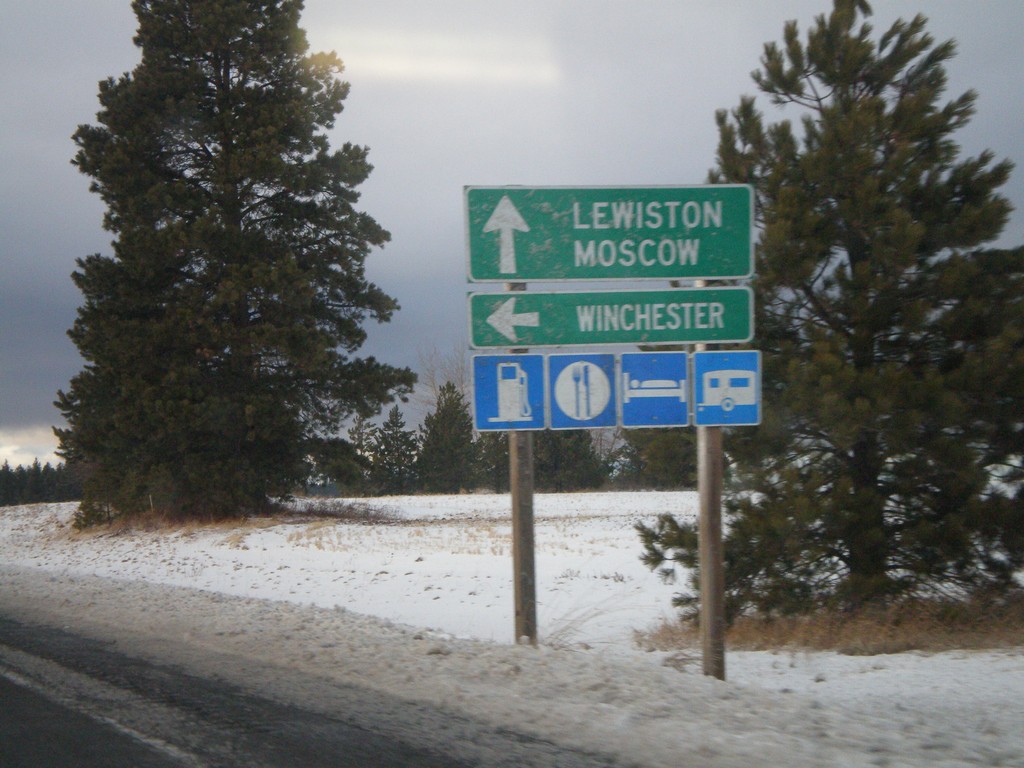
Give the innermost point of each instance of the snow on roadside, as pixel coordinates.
(445, 565)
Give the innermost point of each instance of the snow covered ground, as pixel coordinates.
(430, 591)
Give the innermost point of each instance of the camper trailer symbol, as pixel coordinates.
(727, 389)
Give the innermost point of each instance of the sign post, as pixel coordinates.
(524, 586)
(520, 483)
(518, 234)
(712, 567)
(711, 551)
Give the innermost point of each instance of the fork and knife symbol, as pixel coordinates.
(581, 382)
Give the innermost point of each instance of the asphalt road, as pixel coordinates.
(36, 732)
(71, 700)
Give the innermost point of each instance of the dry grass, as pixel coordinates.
(302, 510)
(341, 510)
(911, 626)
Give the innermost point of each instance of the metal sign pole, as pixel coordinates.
(712, 570)
(711, 557)
(520, 455)
(520, 479)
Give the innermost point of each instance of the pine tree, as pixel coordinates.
(893, 387)
(360, 436)
(566, 461)
(395, 451)
(219, 337)
(448, 460)
(39, 483)
(37, 477)
(493, 456)
(657, 458)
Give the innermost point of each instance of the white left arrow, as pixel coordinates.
(505, 220)
(505, 320)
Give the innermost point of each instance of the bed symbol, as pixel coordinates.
(633, 388)
(654, 389)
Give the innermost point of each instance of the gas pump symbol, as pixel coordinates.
(513, 394)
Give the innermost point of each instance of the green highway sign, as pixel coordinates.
(519, 234)
(555, 319)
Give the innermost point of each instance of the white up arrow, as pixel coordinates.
(505, 220)
(505, 320)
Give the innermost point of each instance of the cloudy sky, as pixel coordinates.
(445, 93)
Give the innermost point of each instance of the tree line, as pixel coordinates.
(446, 455)
(39, 483)
(443, 455)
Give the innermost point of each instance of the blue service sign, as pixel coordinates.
(581, 391)
(508, 392)
(727, 388)
(654, 389)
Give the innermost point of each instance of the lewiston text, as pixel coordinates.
(669, 219)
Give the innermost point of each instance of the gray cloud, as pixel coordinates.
(445, 94)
